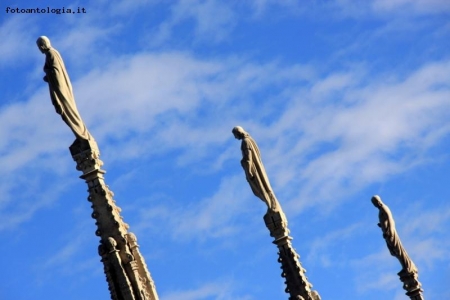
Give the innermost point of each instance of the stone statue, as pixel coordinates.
(61, 89)
(393, 242)
(254, 169)
(297, 284)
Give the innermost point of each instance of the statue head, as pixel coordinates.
(131, 238)
(110, 244)
(43, 44)
(238, 132)
(376, 200)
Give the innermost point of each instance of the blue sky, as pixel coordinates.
(346, 99)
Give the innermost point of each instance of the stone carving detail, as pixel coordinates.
(125, 269)
(409, 272)
(87, 155)
(277, 223)
(144, 274)
(120, 275)
(387, 225)
(60, 89)
(110, 279)
(255, 172)
(297, 284)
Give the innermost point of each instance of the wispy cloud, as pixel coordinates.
(419, 229)
(412, 6)
(21, 197)
(124, 7)
(386, 8)
(363, 99)
(211, 218)
(424, 234)
(218, 291)
(73, 243)
(213, 20)
(374, 272)
(15, 34)
(393, 115)
(28, 131)
(321, 248)
(383, 282)
(154, 102)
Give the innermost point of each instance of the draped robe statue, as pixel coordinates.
(393, 242)
(254, 169)
(61, 89)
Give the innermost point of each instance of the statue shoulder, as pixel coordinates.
(53, 56)
(50, 56)
(246, 142)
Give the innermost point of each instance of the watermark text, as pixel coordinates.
(45, 10)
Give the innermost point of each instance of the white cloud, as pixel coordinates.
(324, 135)
(386, 8)
(322, 249)
(19, 202)
(362, 138)
(208, 218)
(16, 40)
(335, 83)
(414, 6)
(173, 100)
(124, 7)
(154, 96)
(377, 271)
(382, 282)
(222, 290)
(261, 7)
(313, 150)
(421, 232)
(28, 130)
(66, 253)
(426, 221)
(30, 148)
(423, 235)
(66, 257)
(213, 20)
(81, 45)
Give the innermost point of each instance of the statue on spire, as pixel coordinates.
(409, 273)
(61, 89)
(255, 172)
(297, 284)
(387, 225)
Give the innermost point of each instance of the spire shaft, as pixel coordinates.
(125, 269)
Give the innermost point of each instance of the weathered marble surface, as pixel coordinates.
(409, 272)
(255, 173)
(297, 284)
(60, 89)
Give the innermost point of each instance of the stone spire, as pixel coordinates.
(125, 269)
(297, 285)
(409, 274)
(124, 266)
